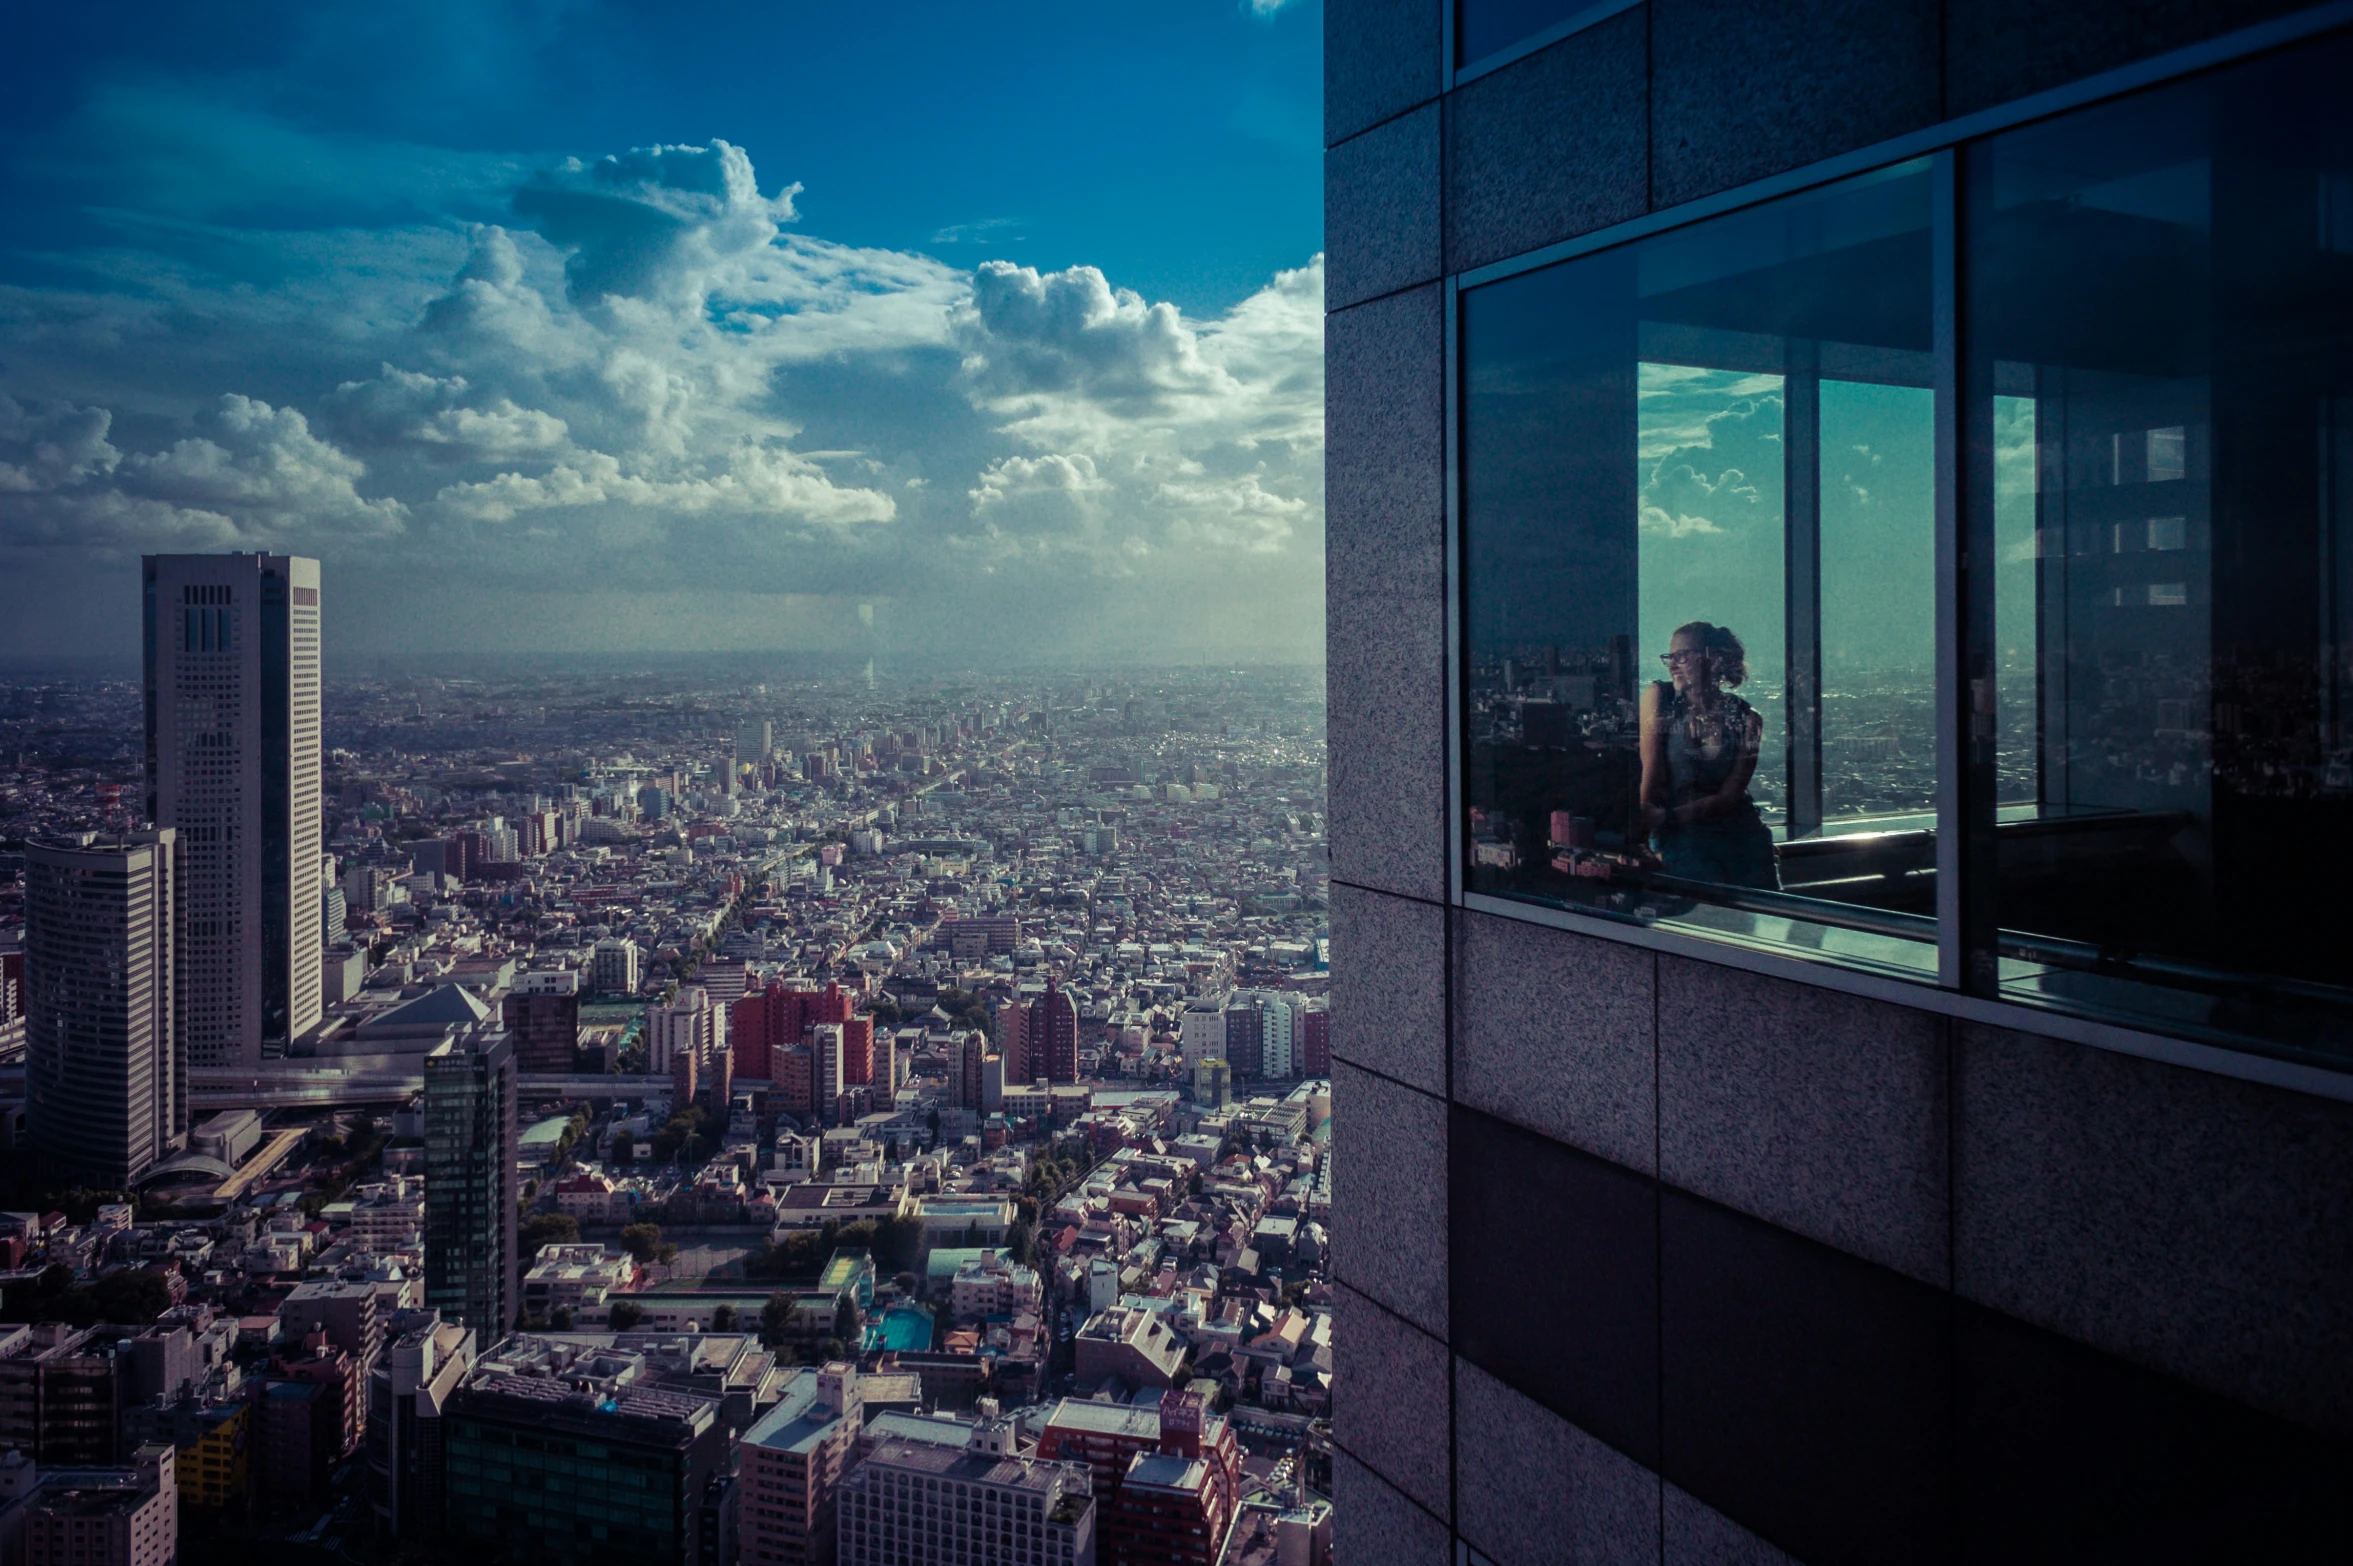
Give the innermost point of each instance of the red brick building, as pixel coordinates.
(1167, 1478)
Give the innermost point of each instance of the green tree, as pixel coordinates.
(723, 1319)
(845, 1318)
(131, 1297)
(626, 1314)
(643, 1241)
(776, 1319)
(560, 1319)
(549, 1229)
(624, 1147)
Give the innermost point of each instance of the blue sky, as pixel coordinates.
(567, 324)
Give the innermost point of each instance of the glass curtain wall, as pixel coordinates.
(2159, 298)
(1698, 492)
(1698, 507)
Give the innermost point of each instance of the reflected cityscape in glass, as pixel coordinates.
(1719, 446)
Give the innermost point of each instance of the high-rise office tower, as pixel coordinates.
(1052, 1044)
(1245, 1038)
(825, 1059)
(231, 654)
(472, 1139)
(105, 1098)
(542, 1011)
(1718, 1188)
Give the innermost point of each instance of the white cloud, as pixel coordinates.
(407, 407)
(751, 482)
(44, 448)
(653, 223)
(662, 389)
(1012, 477)
(264, 466)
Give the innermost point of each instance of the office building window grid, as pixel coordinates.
(1720, 672)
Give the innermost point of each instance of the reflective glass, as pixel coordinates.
(1698, 513)
(2159, 309)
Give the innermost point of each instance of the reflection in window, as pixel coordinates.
(2161, 315)
(1698, 486)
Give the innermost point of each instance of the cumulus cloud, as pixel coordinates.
(253, 472)
(264, 465)
(436, 413)
(752, 482)
(1012, 478)
(662, 388)
(1028, 333)
(45, 448)
(654, 223)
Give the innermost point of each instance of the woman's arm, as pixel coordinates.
(1734, 792)
(1654, 758)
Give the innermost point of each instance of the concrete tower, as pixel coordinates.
(106, 1100)
(231, 652)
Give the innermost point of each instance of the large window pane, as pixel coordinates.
(1699, 518)
(2160, 316)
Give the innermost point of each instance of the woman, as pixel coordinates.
(1699, 750)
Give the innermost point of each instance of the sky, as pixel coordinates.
(982, 334)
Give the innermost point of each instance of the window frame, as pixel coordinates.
(1967, 937)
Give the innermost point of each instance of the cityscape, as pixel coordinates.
(1276, 783)
(686, 1110)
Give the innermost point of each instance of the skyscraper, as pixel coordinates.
(1052, 1045)
(1976, 1209)
(105, 1096)
(472, 1140)
(1011, 1023)
(231, 655)
(825, 1059)
(543, 1014)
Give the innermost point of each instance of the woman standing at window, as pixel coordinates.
(1699, 750)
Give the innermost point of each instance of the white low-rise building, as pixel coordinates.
(990, 1285)
(569, 1277)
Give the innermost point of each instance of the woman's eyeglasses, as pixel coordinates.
(1670, 659)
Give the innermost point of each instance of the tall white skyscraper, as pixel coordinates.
(232, 672)
(105, 1098)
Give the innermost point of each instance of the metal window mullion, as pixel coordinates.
(1967, 697)
(1457, 664)
(1950, 704)
(1801, 582)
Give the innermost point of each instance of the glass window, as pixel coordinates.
(2159, 309)
(1698, 496)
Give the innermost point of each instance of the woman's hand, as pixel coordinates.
(1653, 817)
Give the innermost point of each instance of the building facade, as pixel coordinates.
(472, 1142)
(921, 1503)
(543, 1014)
(1050, 1043)
(1837, 779)
(231, 662)
(615, 1472)
(409, 1393)
(789, 1464)
(105, 1089)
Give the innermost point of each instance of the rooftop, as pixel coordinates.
(1166, 1471)
(966, 1467)
(798, 1420)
